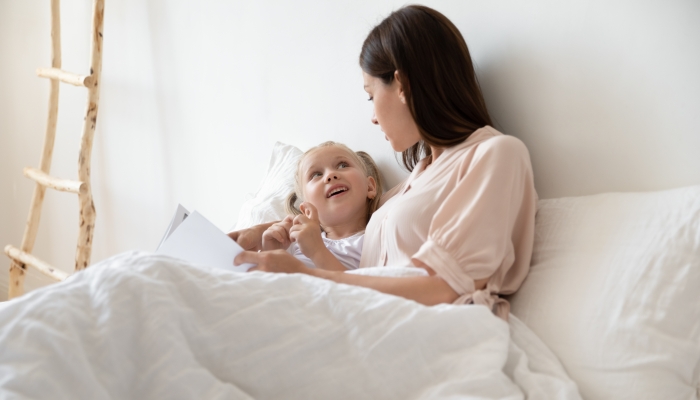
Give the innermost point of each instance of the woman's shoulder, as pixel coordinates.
(488, 141)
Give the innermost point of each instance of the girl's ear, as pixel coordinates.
(371, 188)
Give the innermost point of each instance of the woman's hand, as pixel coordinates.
(276, 237)
(306, 231)
(272, 261)
(250, 238)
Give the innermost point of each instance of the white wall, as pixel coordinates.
(605, 94)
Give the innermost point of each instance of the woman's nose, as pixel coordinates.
(374, 119)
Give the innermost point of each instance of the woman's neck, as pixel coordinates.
(435, 153)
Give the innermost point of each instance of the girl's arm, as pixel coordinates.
(427, 290)
(306, 232)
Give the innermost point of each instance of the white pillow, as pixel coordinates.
(614, 291)
(267, 204)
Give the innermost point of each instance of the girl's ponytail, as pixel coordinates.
(372, 170)
(290, 204)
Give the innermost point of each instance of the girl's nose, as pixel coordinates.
(331, 177)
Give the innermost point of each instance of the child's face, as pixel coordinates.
(336, 185)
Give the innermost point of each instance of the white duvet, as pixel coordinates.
(139, 326)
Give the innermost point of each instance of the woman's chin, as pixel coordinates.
(400, 148)
(395, 146)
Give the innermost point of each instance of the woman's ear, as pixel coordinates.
(371, 188)
(402, 92)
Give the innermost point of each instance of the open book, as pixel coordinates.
(193, 238)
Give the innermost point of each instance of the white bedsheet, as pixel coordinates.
(151, 327)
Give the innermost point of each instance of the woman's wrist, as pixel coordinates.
(326, 274)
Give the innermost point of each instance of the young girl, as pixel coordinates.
(339, 190)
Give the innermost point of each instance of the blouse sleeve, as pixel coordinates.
(485, 226)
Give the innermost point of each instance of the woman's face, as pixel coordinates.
(391, 112)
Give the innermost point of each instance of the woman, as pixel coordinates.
(466, 213)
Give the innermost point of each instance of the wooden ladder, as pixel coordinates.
(22, 257)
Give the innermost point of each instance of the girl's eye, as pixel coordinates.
(343, 165)
(315, 174)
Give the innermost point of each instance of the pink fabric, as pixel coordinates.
(469, 215)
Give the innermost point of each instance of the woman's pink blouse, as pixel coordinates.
(469, 215)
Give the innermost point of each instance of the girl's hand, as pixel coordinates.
(272, 261)
(276, 237)
(306, 231)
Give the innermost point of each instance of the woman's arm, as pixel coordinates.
(427, 290)
(251, 238)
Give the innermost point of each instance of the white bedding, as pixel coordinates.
(151, 327)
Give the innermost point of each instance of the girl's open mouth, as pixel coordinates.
(336, 191)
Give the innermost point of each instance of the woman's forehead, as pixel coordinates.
(369, 80)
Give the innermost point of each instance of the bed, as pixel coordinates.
(610, 310)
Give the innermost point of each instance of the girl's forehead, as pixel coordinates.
(325, 154)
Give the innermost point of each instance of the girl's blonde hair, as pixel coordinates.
(360, 157)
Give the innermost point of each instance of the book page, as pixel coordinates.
(180, 214)
(199, 241)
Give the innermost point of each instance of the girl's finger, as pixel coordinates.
(300, 219)
(278, 236)
(311, 212)
(247, 257)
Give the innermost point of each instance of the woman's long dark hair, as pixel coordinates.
(436, 73)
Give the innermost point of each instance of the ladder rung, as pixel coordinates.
(68, 77)
(28, 259)
(63, 185)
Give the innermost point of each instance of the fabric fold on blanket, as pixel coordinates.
(144, 326)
